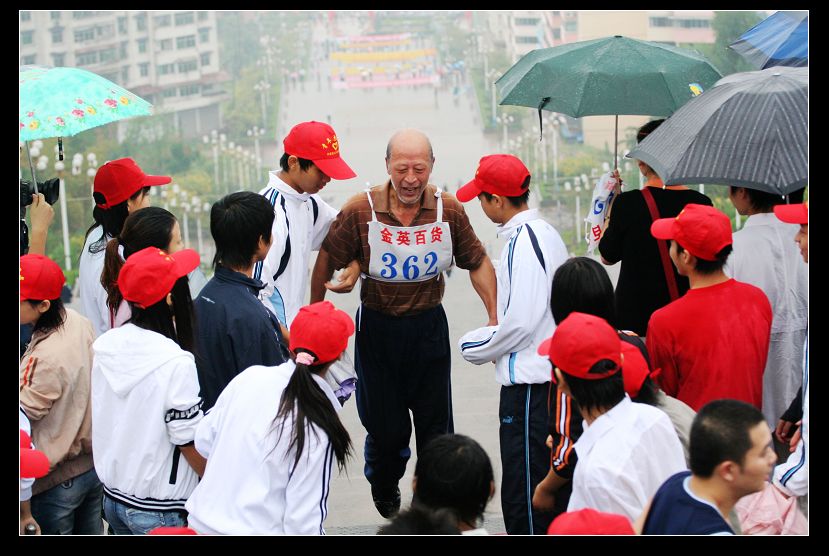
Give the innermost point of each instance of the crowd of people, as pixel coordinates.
(169, 404)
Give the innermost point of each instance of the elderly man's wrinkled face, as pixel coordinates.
(409, 165)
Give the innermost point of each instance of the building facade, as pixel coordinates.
(169, 58)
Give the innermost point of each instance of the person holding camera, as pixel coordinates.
(120, 187)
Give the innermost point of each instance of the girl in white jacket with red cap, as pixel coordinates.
(272, 436)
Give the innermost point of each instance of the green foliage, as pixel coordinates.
(728, 26)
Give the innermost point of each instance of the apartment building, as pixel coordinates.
(169, 58)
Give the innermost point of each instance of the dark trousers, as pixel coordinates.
(402, 364)
(525, 457)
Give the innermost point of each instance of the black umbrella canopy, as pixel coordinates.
(750, 130)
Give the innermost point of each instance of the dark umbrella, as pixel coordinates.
(781, 39)
(608, 76)
(749, 130)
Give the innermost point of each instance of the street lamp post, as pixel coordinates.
(213, 139)
(262, 87)
(64, 215)
(256, 133)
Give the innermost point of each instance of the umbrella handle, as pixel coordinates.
(616, 145)
(32, 167)
(541, 105)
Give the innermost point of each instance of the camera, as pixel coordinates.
(49, 188)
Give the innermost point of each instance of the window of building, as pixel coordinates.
(526, 40)
(189, 65)
(108, 55)
(202, 16)
(693, 23)
(570, 26)
(165, 69)
(205, 59)
(86, 58)
(166, 44)
(28, 60)
(122, 50)
(526, 21)
(83, 35)
(144, 69)
(142, 45)
(187, 41)
(58, 59)
(25, 16)
(204, 34)
(57, 35)
(661, 22)
(125, 74)
(162, 20)
(184, 18)
(141, 22)
(188, 90)
(27, 37)
(167, 93)
(122, 25)
(557, 33)
(82, 15)
(55, 16)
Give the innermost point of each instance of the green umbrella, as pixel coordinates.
(61, 102)
(608, 76)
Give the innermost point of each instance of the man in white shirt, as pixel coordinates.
(525, 275)
(765, 256)
(302, 218)
(627, 450)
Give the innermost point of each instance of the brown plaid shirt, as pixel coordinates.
(348, 240)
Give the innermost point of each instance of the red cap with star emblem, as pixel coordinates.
(317, 142)
(40, 278)
(150, 274)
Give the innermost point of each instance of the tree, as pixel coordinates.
(728, 26)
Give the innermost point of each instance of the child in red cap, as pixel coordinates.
(271, 439)
(120, 188)
(145, 393)
(712, 342)
(301, 218)
(54, 394)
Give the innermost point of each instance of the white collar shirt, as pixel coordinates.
(624, 457)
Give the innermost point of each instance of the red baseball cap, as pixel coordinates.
(702, 230)
(173, 531)
(634, 369)
(149, 274)
(579, 342)
(590, 522)
(498, 174)
(118, 180)
(317, 142)
(40, 278)
(322, 329)
(793, 214)
(33, 463)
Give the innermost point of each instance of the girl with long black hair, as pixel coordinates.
(271, 439)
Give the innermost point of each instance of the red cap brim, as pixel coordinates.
(335, 168)
(468, 192)
(186, 261)
(156, 180)
(663, 228)
(544, 348)
(792, 214)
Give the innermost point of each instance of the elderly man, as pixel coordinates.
(404, 234)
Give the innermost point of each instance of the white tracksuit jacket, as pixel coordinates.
(524, 316)
(248, 487)
(145, 403)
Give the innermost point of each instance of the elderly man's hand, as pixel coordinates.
(347, 279)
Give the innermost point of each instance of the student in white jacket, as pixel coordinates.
(301, 217)
(525, 274)
(271, 439)
(145, 397)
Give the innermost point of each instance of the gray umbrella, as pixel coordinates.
(749, 130)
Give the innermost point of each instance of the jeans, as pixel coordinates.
(72, 507)
(126, 520)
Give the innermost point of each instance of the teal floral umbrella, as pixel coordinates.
(61, 102)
